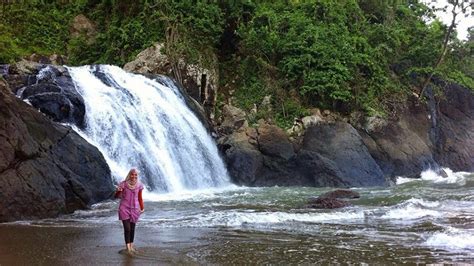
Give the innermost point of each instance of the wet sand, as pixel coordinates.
(43, 245)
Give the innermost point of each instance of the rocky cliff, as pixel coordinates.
(367, 151)
(46, 169)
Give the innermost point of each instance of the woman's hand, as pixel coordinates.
(119, 189)
(142, 210)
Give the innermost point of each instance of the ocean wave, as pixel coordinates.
(241, 218)
(444, 175)
(195, 195)
(413, 208)
(452, 238)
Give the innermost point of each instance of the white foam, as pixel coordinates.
(241, 218)
(409, 213)
(413, 209)
(402, 180)
(452, 239)
(195, 195)
(450, 178)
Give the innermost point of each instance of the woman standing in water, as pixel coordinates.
(131, 206)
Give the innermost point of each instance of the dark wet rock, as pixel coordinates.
(327, 203)
(266, 157)
(342, 145)
(341, 194)
(46, 169)
(442, 173)
(4, 69)
(332, 199)
(453, 134)
(319, 170)
(242, 158)
(54, 94)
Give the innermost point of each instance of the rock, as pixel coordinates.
(312, 120)
(401, 146)
(25, 67)
(54, 94)
(442, 173)
(82, 26)
(342, 144)
(274, 142)
(331, 200)
(297, 129)
(242, 158)
(327, 203)
(39, 59)
(200, 83)
(415, 137)
(318, 170)
(45, 168)
(453, 132)
(341, 193)
(56, 59)
(233, 118)
(150, 61)
(373, 124)
(53, 59)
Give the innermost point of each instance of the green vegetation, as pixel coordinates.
(342, 55)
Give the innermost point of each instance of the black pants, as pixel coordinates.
(128, 231)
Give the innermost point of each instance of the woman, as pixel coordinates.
(131, 206)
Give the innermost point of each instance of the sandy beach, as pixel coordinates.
(42, 245)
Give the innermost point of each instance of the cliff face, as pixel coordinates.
(45, 168)
(438, 133)
(453, 132)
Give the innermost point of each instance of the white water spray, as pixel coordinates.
(138, 122)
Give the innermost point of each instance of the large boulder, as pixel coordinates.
(265, 157)
(273, 142)
(244, 160)
(45, 168)
(341, 146)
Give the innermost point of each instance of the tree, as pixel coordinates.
(459, 7)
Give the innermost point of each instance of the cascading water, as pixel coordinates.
(138, 122)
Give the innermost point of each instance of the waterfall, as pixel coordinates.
(138, 122)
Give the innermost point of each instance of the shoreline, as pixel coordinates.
(52, 245)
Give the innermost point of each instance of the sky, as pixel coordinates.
(446, 17)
